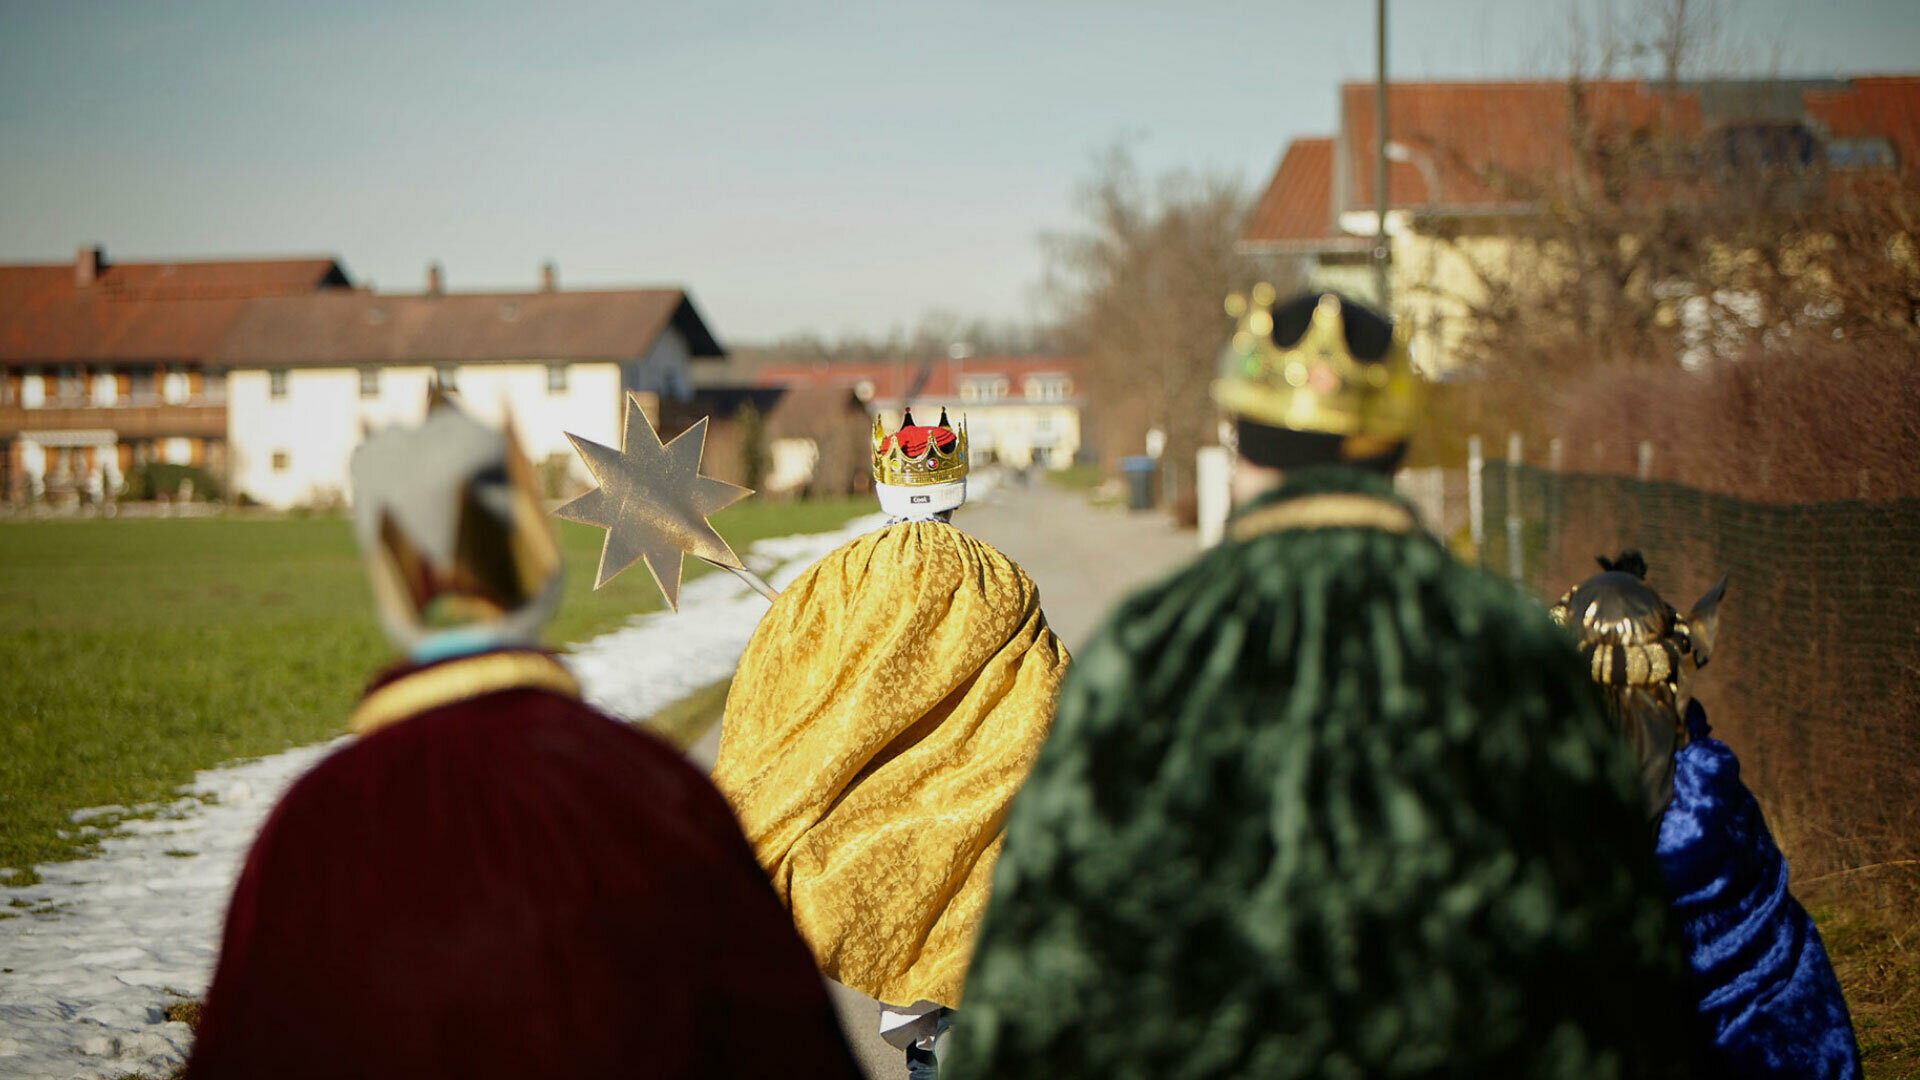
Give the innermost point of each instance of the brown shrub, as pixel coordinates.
(1836, 424)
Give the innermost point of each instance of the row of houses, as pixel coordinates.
(1471, 165)
(260, 376)
(263, 374)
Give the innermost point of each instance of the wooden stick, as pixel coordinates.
(1857, 869)
(759, 583)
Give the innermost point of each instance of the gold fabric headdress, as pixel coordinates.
(1318, 382)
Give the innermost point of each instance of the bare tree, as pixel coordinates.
(1138, 288)
(1669, 245)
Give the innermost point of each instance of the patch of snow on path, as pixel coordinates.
(98, 948)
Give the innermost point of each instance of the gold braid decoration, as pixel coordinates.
(1324, 512)
(460, 680)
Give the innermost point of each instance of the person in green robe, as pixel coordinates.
(1325, 803)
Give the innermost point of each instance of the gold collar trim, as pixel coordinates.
(1324, 512)
(460, 680)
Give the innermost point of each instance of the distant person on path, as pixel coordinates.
(495, 880)
(884, 714)
(1325, 803)
(1769, 1005)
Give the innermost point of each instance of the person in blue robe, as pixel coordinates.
(1769, 1005)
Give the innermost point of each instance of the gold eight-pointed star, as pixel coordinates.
(652, 501)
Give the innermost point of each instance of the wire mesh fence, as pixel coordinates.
(1816, 679)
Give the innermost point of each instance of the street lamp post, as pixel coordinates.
(1381, 252)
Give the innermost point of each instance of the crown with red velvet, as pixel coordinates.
(917, 455)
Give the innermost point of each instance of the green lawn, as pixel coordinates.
(135, 652)
(1079, 476)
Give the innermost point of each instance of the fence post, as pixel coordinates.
(1212, 479)
(1646, 460)
(1516, 560)
(1556, 454)
(1476, 500)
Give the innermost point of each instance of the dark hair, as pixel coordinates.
(1285, 448)
(1369, 334)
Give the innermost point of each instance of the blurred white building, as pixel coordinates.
(1020, 410)
(307, 375)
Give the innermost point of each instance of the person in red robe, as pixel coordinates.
(494, 879)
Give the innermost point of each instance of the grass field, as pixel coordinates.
(136, 652)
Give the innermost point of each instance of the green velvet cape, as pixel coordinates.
(1326, 803)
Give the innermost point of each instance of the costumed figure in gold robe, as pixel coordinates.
(882, 718)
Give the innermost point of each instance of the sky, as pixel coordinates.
(834, 168)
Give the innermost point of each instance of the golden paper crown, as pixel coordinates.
(914, 455)
(450, 517)
(1317, 383)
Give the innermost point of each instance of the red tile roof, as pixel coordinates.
(933, 382)
(305, 311)
(1883, 106)
(1483, 145)
(140, 311)
(1298, 204)
(1490, 146)
(374, 328)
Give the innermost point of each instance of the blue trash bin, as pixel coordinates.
(1139, 473)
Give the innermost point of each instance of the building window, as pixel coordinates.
(68, 387)
(1860, 153)
(1046, 388)
(983, 388)
(1767, 146)
(369, 382)
(556, 378)
(281, 460)
(277, 383)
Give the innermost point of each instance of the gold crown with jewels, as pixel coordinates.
(917, 456)
(1317, 382)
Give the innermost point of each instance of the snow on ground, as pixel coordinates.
(97, 949)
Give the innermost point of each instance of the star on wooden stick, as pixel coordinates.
(653, 502)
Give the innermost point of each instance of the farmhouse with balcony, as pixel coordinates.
(265, 373)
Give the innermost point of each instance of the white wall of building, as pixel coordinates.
(1013, 430)
(663, 370)
(294, 449)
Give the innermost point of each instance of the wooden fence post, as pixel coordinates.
(1516, 559)
(1476, 500)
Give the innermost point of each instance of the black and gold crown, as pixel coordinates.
(1629, 635)
(917, 456)
(1319, 364)
(1643, 653)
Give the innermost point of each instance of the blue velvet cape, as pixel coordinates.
(1769, 1003)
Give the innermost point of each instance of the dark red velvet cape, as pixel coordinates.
(510, 886)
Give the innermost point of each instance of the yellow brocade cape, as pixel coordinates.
(883, 716)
